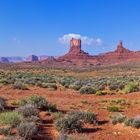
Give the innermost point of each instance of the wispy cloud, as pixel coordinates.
(16, 40)
(65, 39)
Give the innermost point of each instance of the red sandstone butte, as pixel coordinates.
(77, 56)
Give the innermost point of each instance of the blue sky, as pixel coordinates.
(38, 26)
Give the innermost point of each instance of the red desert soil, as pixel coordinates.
(67, 100)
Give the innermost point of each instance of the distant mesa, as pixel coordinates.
(32, 58)
(4, 60)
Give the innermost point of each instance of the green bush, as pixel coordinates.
(113, 87)
(27, 130)
(11, 118)
(87, 90)
(113, 108)
(131, 87)
(22, 102)
(72, 122)
(99, 92)
(58, 115)
(20, 85)
(51, 86)
(90, 117)
(134, 122)
(118, 118)
(38, 101)
(28, 110)
(52, 107)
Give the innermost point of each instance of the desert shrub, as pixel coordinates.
(131, 87)
(34, 119)
(58, 115)
(90, 117)
(28, 110)
(5, 130)
(14, 102)
(27, 130)
(22, 102)
(11, 118)
(99, 92)
(75, 87)
(2, 104)
(52, 107)
(84, 102)
(20, 85)
(118, 118)
(113, 86)
(87, 90)
(134, 122)
(113, 108)
(72, 122)
(38, 101)
(51, 86)
(128, 122)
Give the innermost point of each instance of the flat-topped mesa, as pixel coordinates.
(120, 49)
(75, 46)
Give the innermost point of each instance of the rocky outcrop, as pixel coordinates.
(120, 49)
(32, 58)
(75, 51)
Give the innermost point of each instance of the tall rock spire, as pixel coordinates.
(121, 49)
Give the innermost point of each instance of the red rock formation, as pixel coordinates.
(76, 56)
(75, 51)
(120, 49)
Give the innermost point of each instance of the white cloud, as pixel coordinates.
(16, 40)
(65, 39)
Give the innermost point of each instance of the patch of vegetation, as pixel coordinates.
(28, 110)
(84, 102)
(131, 87)
(10, 118)
(38, 101)
(27, 130)
(90, 117)
(22, 102)
(74, 121)
(20, 86)
(58, 115)
(99, 92)
(118, 118)
(134, 122)
(87, 90)
(113, 108)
